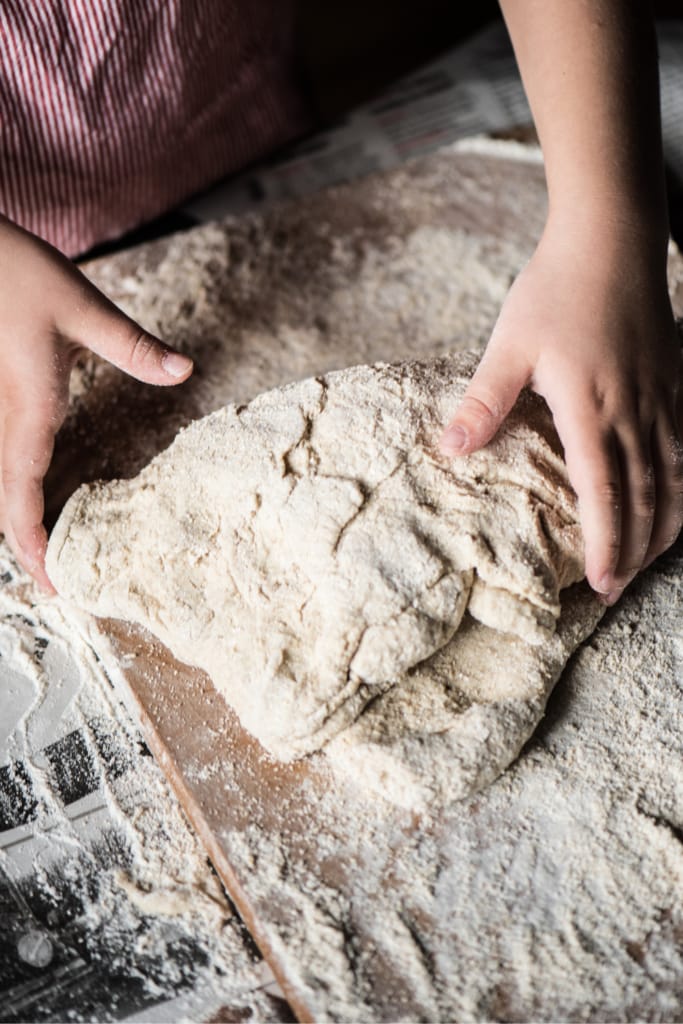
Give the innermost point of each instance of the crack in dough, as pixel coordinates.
(315, 553)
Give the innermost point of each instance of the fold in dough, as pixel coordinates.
(312, 550)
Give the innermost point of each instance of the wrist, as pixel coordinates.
(636, 209)
(611, 230)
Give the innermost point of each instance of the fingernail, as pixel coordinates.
(453, 440)
(611, 598)
(606, 583)
(175, 364)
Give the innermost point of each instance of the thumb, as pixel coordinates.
(94, 322)
(491, 394)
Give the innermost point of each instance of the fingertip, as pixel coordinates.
(605, 583)
(611, 598)
(31, 545)
(454, 440)
(475, 424)
(142, 356)
(597, 488)
(602, 580)
(45, 583)
(177, 366)
(601, 577)
(601, 559)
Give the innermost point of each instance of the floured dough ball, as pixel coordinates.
(312, 550)
(457, 720)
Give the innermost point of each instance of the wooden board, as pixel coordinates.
(345, 896)
(486, 911)
(228, 786)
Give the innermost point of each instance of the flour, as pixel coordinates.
(312, 548)
(110, 872)
(555, 893)
(461, 717)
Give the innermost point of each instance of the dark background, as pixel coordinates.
(352, 48)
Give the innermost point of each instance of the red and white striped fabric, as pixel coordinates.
(113, 111)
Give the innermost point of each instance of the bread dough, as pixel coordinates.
(316, 554)
(456, 721)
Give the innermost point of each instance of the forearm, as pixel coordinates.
(590, 71)
(588, 323)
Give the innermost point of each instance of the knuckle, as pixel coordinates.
(643, 511)
(11, 479)
(673, 485)
(612, 549)
(603, 549)
(599, 398)
(609, 491)
(479, 409)
(644, 502)
(143, 349)
(642, 494)
(23, 472)
(609, 556)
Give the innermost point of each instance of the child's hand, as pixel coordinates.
(593, 332)
(48, 313)
(588, 323)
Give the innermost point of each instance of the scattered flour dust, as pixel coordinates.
(555, 894)
(108, 848)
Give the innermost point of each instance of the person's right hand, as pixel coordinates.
(49, 312)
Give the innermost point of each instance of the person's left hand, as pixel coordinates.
(588, 324)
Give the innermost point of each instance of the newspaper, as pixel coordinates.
(109, 909)
(670, 40)
(474, 89)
